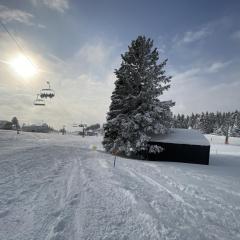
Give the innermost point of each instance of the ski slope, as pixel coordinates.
(57, 187)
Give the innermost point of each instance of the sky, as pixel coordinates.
(76, 45)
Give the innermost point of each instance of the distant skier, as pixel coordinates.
(63, 130)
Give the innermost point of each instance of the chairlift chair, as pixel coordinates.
(38, 101)
(47, 92)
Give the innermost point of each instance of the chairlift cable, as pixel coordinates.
(22, 50)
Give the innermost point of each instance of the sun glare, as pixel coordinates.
(23, 67)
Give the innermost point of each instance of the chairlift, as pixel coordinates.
(47, 92)
(38, 101)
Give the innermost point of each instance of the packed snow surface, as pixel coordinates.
(60, 187)
(182, 136)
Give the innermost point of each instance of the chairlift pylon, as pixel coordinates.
(38, 101)
(47, 92)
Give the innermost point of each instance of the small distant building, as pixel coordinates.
(44, 128)
(91, 133)
(181, 145)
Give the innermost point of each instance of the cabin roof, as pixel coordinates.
(182, 136)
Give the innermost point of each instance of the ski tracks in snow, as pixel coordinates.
(62, 190)
(192, 207)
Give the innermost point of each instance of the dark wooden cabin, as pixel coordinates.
(182, 145)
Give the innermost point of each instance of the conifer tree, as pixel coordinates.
(235, 131)
(136, 112)
(15, 122)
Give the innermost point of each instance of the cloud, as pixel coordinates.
(236, 35)
(94, 54)
(198, 71)
(41, 26)
(16, 15)
(215, 67)
(197, 89)
(191, 36)
(217, 26)
(58, 5)
(198, 98)
(9, 15)
(183, 77)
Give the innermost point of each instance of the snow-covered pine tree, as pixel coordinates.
(191, 121)
(200, 123)
(207, 122)
(235, 131)
(174, 121)
(179, 122)
(136, 112)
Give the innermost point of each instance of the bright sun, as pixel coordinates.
(23, 67)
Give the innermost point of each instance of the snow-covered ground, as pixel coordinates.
(59, 187)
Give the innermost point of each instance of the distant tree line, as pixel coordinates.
(220, 123)
(15, 125)
(10, 125)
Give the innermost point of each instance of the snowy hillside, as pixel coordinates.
(58, 187)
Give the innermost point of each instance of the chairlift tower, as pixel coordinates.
(81, 125)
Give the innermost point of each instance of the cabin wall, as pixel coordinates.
(181, 153)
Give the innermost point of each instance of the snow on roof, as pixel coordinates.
(182, 136)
